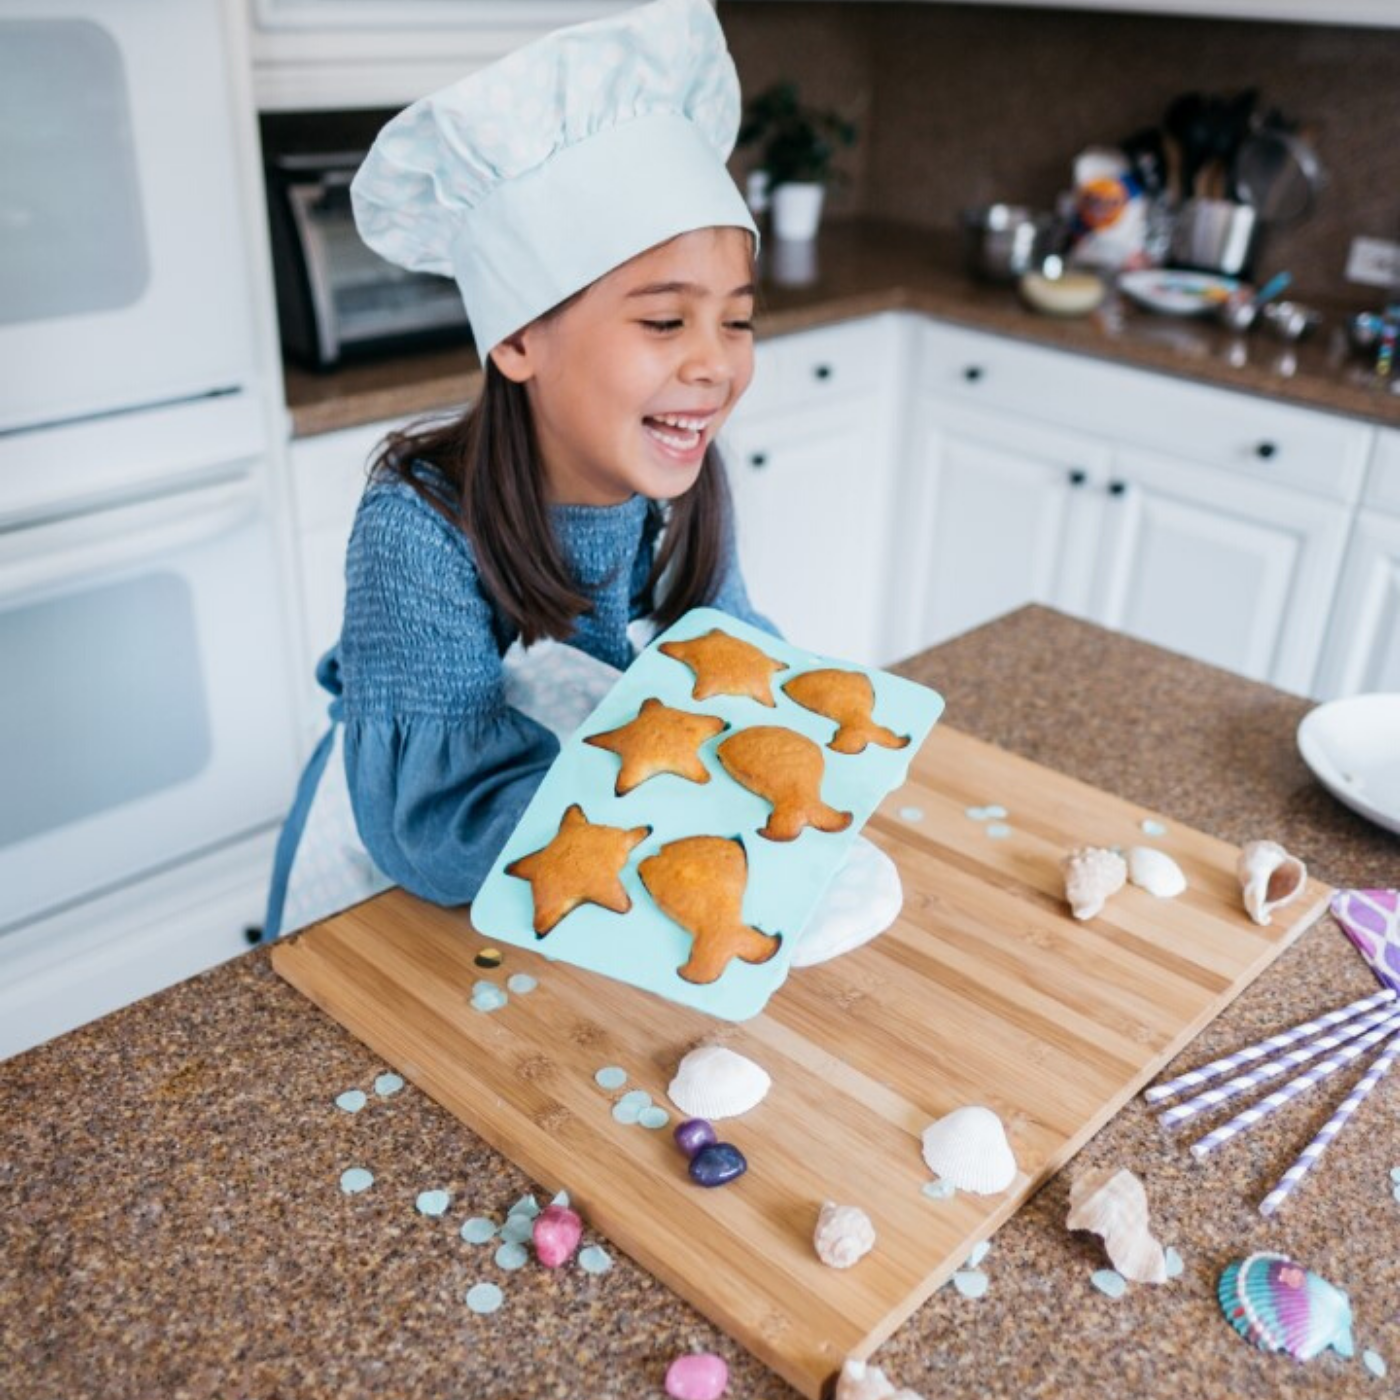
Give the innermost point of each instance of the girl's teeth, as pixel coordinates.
(682, 441)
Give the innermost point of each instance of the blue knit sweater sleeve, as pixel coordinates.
(438, 766)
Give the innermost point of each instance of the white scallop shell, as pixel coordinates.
(844, 1235)
(713, 1081)
(1155, 871)
(969, 1148)
(1269, 878)
(859, 1380)
(863, 900)
(1091, 875)
(1113, 1204)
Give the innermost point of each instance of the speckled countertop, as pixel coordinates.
(863, 267)
(171, 1223)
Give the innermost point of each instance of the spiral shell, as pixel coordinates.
(969, 1148)
(1269, 878)
(1113, 1204)
(1091, 875)
(844, 1235)
(713, 1081)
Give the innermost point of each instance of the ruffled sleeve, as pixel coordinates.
(438, 766)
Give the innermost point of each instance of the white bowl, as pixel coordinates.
(1353, 749)
(1073, 294)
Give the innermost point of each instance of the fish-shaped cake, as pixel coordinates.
(699, 882)
(848, 697)
(725, 665)
(785, 769)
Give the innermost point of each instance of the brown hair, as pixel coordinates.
(490, 458)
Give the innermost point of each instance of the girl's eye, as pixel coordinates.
(661, 325)
(741, 325)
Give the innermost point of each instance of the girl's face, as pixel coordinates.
(631, 381)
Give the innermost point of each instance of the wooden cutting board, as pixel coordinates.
(984, 991)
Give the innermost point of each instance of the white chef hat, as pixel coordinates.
(538, 174)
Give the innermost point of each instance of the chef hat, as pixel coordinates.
(535, 176)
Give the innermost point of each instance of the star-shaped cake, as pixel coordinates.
(724, 665)
(659, 740)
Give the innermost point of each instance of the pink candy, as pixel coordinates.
(701, 1376)
(557, 1233)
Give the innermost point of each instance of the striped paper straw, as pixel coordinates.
(1271, 1069)
(1248, 1117)
(1260, 1049)
(1308, 1158)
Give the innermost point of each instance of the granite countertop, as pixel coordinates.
(864, 267)
(173, 1225)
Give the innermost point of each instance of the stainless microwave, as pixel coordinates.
(337, 299)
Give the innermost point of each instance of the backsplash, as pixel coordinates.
(961, 105)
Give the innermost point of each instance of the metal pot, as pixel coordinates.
(1003, 241)
(1214, 235)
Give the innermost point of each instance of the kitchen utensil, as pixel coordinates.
(984, 991)
(1176, 293)
(1214, 235)
(1278, 174)
(1188, 122)
(1241, 309)
(1353, 749)
(1003, 241)
(1289, 320)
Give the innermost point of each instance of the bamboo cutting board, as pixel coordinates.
(984, 991)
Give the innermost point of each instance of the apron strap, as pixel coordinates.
(292, 829)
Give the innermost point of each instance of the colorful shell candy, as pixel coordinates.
(1280, 1306)
(556, 1231)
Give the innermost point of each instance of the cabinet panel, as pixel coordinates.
(1227, 571)
(1363, 645)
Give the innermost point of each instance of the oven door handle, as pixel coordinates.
(37, 557)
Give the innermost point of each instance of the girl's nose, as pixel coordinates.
(708, 360)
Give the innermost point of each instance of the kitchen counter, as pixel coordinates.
(173, 1224)
(864, 267)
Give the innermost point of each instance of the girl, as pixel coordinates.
(577, 191)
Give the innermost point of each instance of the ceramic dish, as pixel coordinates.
(1353, 748)
(1177, 293)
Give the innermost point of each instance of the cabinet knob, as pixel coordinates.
(821, 372)
(1117, 488)
(972, 373)
(758, 459)
(1077, 477)
(1266, 450)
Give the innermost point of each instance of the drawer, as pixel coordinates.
(809, 368)
(1245, 433)
(329, 472)
(1383, 484)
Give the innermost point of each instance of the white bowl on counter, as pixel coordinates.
(1353, 749)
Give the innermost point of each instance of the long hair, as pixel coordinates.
(489, 455)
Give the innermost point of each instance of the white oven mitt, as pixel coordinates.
(863, 899)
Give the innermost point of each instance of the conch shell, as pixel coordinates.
(844, 1235)
(1113, 1204)
(1269, 878)
(1155, 871)
(713, 1081)
(859, 1380)
(969, 1148)
(1091, 875)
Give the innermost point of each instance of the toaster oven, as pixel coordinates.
(337, 299)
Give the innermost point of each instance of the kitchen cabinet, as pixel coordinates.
(812, 455)
(1380, 14)
(1225, 546)
(1363, 646)
(339, 54)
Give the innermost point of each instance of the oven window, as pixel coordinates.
(102, 702)
(72, 236)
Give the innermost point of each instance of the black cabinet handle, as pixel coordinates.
(972, 373)
(1117, 488)
(1077, 477)
(758, 459)
(821, 372)
(1266, 450)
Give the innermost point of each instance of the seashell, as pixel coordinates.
(1113, 1204)
(844, 1235)
(1269, 878)
(1091, 875)
(969, 1148)
(1155, 871)
(713, 1081)
(861, 1381)
(1280, 1306)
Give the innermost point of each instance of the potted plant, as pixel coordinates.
(796, 148)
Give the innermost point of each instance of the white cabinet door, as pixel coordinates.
(1000, 515)
(1220, 568)
(1363, 643)
(813, 514)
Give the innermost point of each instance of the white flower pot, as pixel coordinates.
(797, 211)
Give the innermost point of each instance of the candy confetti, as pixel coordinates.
(488, 957)
(1152, 828)
(1109, 1282)
(971, 1283)
(979, 1253)
(939, 1190)
(351, 1101)
(356, 1179)
(478, 1230)
(487, 996)
(518, 1229)
(433, 1202)
(484, 1298)
(610, 1077)
(998, 831)
(1175, 1264)
(911, 814)
(527, 1205)
(388, 1084)
(594, 1260)
(521, 983)
(512, 1255)
(1374, 1362)
(629, 1108)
